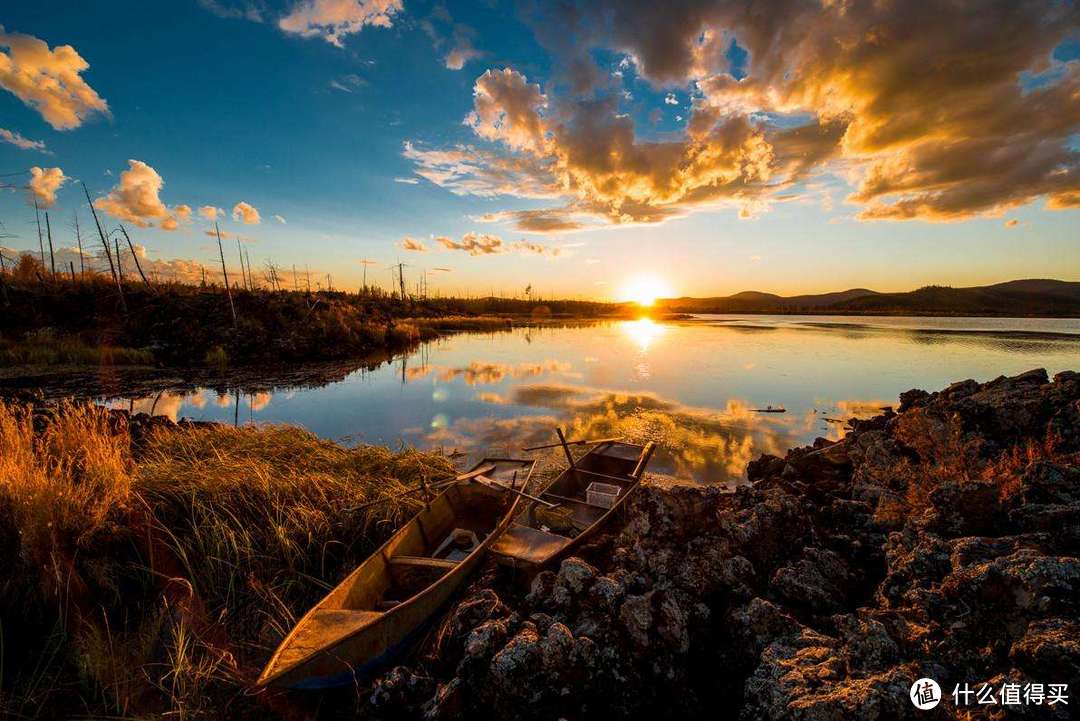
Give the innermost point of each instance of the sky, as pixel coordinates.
(585, 149)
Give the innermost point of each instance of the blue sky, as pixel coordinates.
(227, 109)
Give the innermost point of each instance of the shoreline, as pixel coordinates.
(831, 581)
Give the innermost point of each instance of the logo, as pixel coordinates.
(925, 694)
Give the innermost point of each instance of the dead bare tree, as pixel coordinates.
(40, 240)
(78, 239)
(135, 255)
(119, 263)
(108, 253)
(52, 255)
(224, 272)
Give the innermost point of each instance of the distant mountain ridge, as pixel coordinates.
(1028, 297)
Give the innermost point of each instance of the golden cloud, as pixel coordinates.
(473, 243)
(19, 141)
(485, 244)
(410, 243)
(332, 20)
(48, 81)
(506, 107)
(136, 199)
(44, 182)
(246, 213)
(209, 212)
(934, 112)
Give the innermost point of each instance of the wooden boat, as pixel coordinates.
(389, 600)
(570, 516)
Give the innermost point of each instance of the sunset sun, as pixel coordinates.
(644, 290)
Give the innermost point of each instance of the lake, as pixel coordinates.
(696, 386)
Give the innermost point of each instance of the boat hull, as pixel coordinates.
(386, 605)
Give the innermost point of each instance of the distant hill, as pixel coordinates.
(1034, 297)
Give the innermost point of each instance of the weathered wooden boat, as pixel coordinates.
(386, 604)
(571, 512)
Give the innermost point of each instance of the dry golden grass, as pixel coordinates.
(218, 537)
(946, 454)
(63, 486)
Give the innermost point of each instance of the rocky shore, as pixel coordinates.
(937, 541)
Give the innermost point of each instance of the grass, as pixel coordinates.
(945, 452)
(43, 348)
(464, 323)
(186, 323)
(156, 578)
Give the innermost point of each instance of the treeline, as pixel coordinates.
(208, 323)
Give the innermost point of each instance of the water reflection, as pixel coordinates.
(643, 331)
(690, 386)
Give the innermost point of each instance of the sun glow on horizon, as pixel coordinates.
(644, 290)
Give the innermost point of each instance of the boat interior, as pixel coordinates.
(542, 532)
(441, 536)
(444, 534)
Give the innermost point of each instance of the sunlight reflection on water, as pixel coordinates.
(690, 386)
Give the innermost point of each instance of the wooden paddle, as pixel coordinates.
(502, 486)
(438, 485)
(583, 442)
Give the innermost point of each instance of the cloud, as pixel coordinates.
(473, 243)
(410, 243)
(537, 249)
(506, 108)
(544, 220)
(16, 139)
(136, 199)
(179, 270)
(461, 54)
(209, 212)
(443, 270)
(280, 219)
(928, 114)
(44, 182)
(1012, 223)
(486, 244)
(253, 11)
(48, 81)
(348, 83)
(333, 20)
(443, 31)
(407, 181)
(467, 170)
(181, 214)
(246, 213)
(670, 99)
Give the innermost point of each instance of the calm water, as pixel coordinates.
(691, 386)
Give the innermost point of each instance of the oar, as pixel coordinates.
(502, 486)
(438, 485)
(583, 442)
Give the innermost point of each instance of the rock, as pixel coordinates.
(606, 592)
(819, 581)
(516, 665)
(965, 508)
(672, 624)
(867, 646)
(636, 616)
(575, 575)
(486, 638)
(556, 648)
(1048, 482)
(1049, 649)
(939, 541)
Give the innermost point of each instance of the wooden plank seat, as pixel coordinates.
(528, 544)
(443, 564)
(413, 573)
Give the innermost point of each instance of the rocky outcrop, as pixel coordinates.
(940, 541)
